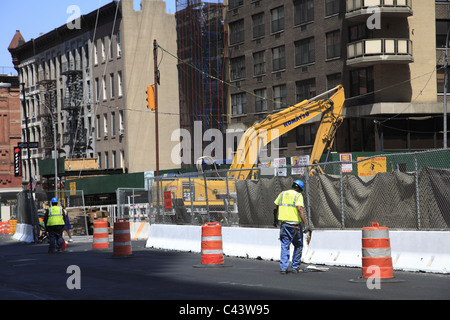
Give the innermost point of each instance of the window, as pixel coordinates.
(113, 124)
(331, 7)
(279, 97)
(233, 4)
(95, 53)
(119, 77)
(305, 89)
(278, 59)
(283, 141)
(304, 51)
(103, 50)
(359, 32)
(361, 81)
(122, 158)
(114, 160)
(105, 125)
(106, 160)
(111, 55)
(111, 85)
(258, 25)
(239, 103)
(237, 68)
(333, 80)
(333, 44)
(306, 134)
(97, 90)
(119, 48)
(259, 63)
(99, 158)
(104, 87)
(303, 11)
(121, 120)
(97, 124)
(236, 32)
(442, 27)
(277, 16)
(260, 100)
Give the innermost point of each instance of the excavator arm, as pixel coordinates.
(286, 120)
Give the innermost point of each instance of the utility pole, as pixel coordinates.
(445, 91)
(27, 131)
(155, 58)
(32, 212)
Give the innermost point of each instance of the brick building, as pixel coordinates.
(10, 132)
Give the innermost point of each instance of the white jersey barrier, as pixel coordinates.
(411, 250)
(139, 230)
(24, 233)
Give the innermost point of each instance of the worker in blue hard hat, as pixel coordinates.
(54, 220)
(289, 211)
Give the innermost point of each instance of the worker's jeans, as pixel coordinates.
(289, 235)
(55, 238)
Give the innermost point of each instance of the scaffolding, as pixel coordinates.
(201, 49)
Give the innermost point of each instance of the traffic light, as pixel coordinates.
(150, 97)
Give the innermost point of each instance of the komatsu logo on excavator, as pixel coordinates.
(302, 116)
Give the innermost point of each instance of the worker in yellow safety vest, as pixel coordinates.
(289, 211)
(54, 220)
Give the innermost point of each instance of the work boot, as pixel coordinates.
(297, 271)
(283, 271)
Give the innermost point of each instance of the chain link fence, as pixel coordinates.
(401, 191)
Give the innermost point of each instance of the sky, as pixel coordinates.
(34, 17)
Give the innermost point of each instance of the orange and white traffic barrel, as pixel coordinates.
(101, 235)
(212, 251)
(12, 226)
(122, 238)
(376, 253)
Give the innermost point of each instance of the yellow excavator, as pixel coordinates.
(286, 120)
(193, 197)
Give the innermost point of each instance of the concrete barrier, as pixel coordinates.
(139, 230)
(24, 233)
(411, 250)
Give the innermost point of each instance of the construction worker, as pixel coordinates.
(289, 211)
(54, 220)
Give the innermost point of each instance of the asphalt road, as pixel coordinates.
(28, 272)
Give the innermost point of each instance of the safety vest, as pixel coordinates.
(287, 202)
(55, 217)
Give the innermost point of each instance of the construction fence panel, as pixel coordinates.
(398, 190)
(72, 201)
(133, 204)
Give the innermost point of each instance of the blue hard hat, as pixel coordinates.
(299, 184)
(54, 200)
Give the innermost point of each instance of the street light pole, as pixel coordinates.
(27, 132)
(155, 58)
(445, 91)
(56, 157)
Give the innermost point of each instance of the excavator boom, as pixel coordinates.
(286, 120)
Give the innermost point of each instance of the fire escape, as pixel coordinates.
(75, 133)
(48, 114)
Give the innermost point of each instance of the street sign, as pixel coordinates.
(17, 162)
(31, 145)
